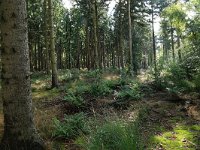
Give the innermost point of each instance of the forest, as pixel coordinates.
(100, 74)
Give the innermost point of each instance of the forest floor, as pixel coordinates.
(168, 122)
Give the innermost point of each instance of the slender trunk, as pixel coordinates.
(87, 46)
(60, 54)
(45, 38)
(19, 128)
(120, 36)
(35, 57)
(69, 47)
(52, 47)
(130, 38)
(103, 56)
(31, 56)
(39, 53)
(178, 46)
(154, 44)
(172, 42)
(95, 24)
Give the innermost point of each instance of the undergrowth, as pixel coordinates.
(118, 135)
(71, 126)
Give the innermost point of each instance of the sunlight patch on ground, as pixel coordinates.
(110, 77)
(181, 138)
(38, 84)
(42, 94)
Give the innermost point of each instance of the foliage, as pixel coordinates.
(180, 138)
(73, 99)
(180, 77)
(118, 134)
(115, 135)
(197, 82)
(94, 74)
(71, 126)
(191, 65)
(100, 89)
(132, 92)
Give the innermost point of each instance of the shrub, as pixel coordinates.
(115, 136)
(82, 89)
(191, 64)
(197, 82)
(174, 78)
(74, 100)
(100, 89)
(130, 92)
(71, 126)
(94, 74)
(65, 75)
(177, 73)
(113, 84)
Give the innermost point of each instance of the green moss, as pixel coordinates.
(182, 137)
(195, 127)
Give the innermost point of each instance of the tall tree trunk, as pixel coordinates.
(45, 38)
(87, 45)
(69, 45)
(39, 53)
(130, 38)
(19, 129)
(172, 42)
(178, 46)
(31, 56)
(35, 56)
(154, 44)
(59, 54)
(120, 36)
(95, 24)
(52, 47)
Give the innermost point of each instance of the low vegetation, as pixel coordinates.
(101, 113)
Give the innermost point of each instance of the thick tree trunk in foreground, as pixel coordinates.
(52, 48)
(19, 129)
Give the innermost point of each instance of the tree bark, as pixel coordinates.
(154, 44)
(45, 38)
(130, 38)
(19, 129)
(179, 46)
(95, 24)
(120, 36)
(172, 42)
(52, 47)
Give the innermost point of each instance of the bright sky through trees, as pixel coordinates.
(68, 4)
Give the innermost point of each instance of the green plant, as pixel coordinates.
(197, 82)
(177, 73)
(71, 126)
(94, 74)
(73, 99)
(82, 88)
(100, 89)
(115, 136)
(131, 92)
(112, 84)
